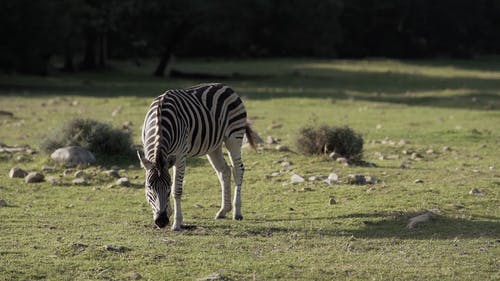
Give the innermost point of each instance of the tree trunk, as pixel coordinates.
(103, 50)
(68, 58)
(90, 57)
(164, 61)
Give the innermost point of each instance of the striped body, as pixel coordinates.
(188, 123)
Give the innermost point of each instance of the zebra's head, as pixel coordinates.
(157, 189)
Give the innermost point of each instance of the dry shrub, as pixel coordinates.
(98, 137)
(325, 139)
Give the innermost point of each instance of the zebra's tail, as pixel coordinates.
(250, 134)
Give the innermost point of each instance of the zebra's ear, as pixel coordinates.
(145, 163)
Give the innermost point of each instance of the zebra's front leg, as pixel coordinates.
(178, 169)
(223, 171)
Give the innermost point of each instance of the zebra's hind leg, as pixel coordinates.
(223, 171)
(233, 145)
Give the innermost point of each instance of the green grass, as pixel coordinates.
(290, 232)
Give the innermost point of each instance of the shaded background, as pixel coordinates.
(85, 34)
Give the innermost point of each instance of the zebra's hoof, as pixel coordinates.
(237, 217)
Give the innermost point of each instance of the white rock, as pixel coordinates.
(296, 179)
(34, 177)
(17, 173)
(332, 178)
(123, 182)
(79, 181)
(73, 155)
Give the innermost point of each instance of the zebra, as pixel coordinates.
(185, 123)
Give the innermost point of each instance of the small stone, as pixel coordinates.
(48, 169)
(53, 180)
(79, 174)
(419, 181)
(306, 188)
(123, 182)
(198, 206)
(286, 163)
(343, 161)
(312, 178)
(282, 148)
(79, 181)
(475, 191)
(116, 249)
(34, 177)
(111, 173)
(332, 178)
(402, 142)
(134, 276)
(415, 155)
(332, 201)
(67, 172)
(356, 179)
(17, 173)
(334, 155)
(446, 148)
(296, 179)
(271, 140)
(3, 203)
(275, 174)
(126, 125)
(429, 151)
(370, 180)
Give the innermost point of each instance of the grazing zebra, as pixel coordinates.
(186, 123)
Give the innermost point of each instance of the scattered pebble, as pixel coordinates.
(343, 161)
(271, 140)
(312, 178)
(34, 177)
(123, 182)
(356, 179)
(282, 148)
(111, 173)
(419, 181)
(370, 180)
(415, 155)
(429, 151)
(286, 163)
(116, 249)
(48, 169)
(332, 178)
(296, 179)
(332, 201)
(79, 181)
(17, 173)
(134, 276)
(475, 191)
(53, 180)
(79, 174)
(73, 155)
(446, 148)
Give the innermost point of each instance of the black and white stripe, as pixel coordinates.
(188, 123)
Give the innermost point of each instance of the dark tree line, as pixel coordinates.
(86, 33)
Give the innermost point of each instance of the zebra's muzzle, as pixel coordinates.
(161, 220)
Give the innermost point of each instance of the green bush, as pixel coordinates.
(325, 139)
(98, 137)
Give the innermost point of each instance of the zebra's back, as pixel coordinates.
(194, 121)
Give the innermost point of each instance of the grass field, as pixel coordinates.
(290, 232)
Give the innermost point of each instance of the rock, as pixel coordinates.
(123, 182)
(332, 201)
(418, 219)
(271, 140)
(3, 203)
(307, 188)
(212, 277)
(286, 163)
(17, 173)
(126, 125)
(429, 151)
(419, 181)
(446, 148)
(79, 181)
(332, 178)
(67, 172)
(475, 191)
(111, 173)
(415, 155)
(116, 249)
(334, 155)
(296, 179)
(282, 148)
(53, 180)
(34, 177)
(134, 276)
(356, 179)
(312, 178)
(73, 155)
(79, 174)
(370, 180)
(48, 169)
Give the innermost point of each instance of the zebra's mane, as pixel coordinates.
(157, 156)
